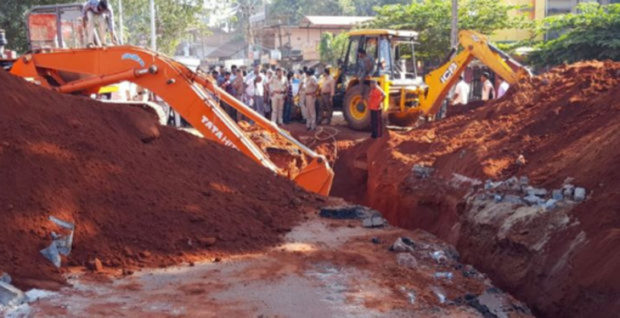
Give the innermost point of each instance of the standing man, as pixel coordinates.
(503, 88)
(375, 98)
(364, 70)
(97, 12)
(277, 90)
(461, 92)
(328, 89)
(488, 91)
(311, 88)
(302, 95)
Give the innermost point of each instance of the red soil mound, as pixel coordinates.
(139, 194)
(566, 123)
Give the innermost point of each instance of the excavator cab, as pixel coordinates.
(395, 69)
(55, 27)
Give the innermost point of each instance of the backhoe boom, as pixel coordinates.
(190, 94)
(475, 45)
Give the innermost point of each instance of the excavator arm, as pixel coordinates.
(192, 95)
(475, 45)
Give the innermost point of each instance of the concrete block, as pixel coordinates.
(10, 295)
(557, 195)
(497, 198)
(568, 190)
(536, 191)
(511, 198)
(402, 244)
(580, 194)
(406, 260)
(373, 221)
(5, 278)
(422, 172)
(533, 200)
(550, 204)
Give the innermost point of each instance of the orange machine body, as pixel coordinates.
(192, 95)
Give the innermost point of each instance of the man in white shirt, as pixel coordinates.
(488, 91)
(503, 88)
(461, 92)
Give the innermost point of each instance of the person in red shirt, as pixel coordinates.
(375, 98)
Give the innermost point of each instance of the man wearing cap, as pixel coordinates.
(277, 91)
(97, 12)
(311, 87)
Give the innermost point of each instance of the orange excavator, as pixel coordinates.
(192, 94)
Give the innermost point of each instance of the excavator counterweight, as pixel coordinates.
(192, 95)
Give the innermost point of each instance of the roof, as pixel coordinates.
(333, 21)
(228, 49)
(397, 33)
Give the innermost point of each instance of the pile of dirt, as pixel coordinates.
(564, 123)
(139, 194)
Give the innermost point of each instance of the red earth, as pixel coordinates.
(139, 194)
(565, 123)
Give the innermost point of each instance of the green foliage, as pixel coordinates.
(173, 18)
(294, 10)
(331, 47)
(593, 33)
(13, 20)
(431, 18)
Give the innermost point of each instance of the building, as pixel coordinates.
(537, 10)
(299, 41)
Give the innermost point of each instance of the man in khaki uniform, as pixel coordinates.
(311, 88)
(302, 94)
(328, 89)
(277, 91)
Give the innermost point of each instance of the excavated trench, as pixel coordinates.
(484, 181)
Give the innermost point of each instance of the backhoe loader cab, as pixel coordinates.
(395, 70)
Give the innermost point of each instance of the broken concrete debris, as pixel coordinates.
(61, 244)
(370, 218)
(517, 191)
(5, 278)
(406, 260)
(409, 293)
(439, 256)
(580, 194)
(440, 293)
(10, 295)
(374, 221)
(402, 244)
(421, 172)
(446, 275)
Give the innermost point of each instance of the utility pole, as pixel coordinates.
(121, 32)
(153, 31)
(455, 20)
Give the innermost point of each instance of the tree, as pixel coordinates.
(173, 19)
(592, 33)
(331, 47)
(432, 19)
(13, 20)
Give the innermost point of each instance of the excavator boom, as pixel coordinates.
(475, 45)
(192, 95)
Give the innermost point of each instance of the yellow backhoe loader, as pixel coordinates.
(410, 95)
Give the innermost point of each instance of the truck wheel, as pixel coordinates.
(355, 110)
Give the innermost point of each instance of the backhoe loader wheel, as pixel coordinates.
(355, 110)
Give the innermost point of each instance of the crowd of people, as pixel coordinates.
(278, 94)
